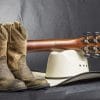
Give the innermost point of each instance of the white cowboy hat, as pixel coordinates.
(66, 66)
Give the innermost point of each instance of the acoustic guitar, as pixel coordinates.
(89, 43)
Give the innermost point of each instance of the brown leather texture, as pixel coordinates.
(16, 53)
(7, 79)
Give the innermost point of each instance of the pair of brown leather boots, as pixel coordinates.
(14, 73)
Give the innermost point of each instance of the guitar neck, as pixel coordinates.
(51, 44)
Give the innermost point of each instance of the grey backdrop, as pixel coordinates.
(53, 19)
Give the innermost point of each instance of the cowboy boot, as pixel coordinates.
(17, 57)
(7, 80)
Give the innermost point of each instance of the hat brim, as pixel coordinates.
(76, 78)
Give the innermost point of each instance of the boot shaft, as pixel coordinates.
(16, 44)
(5, 73)
(17, 37)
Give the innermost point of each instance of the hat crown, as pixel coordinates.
(66, 63)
